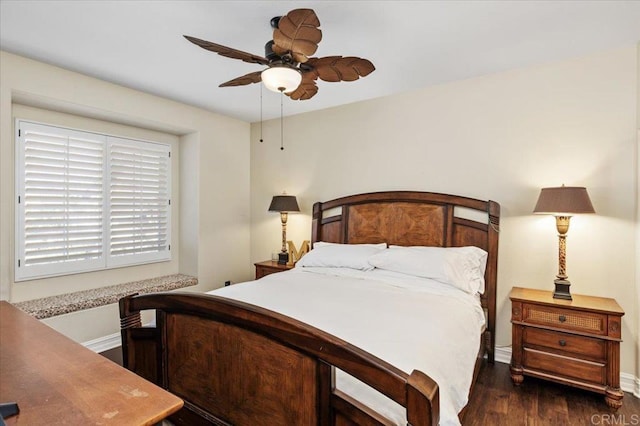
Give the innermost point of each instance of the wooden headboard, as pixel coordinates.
(411, 218)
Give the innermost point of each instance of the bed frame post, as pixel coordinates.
(316, 223)
(493, 210)
(128, 319)
(423, 400)
(140, 346)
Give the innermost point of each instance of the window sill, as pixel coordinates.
(71, 302)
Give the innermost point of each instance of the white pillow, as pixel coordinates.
(332, 255)
(461, 267)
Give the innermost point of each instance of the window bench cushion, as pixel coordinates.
(72, 302)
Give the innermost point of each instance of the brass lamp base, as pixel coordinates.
(562, 290)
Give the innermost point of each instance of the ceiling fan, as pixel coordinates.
(291, 69)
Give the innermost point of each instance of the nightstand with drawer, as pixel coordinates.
(270, 267)
(573, 342)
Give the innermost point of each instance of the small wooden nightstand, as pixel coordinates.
(270, 267)
(574, 342)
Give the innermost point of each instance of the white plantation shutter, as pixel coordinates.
(87, 201)
(139, 201)
(61, 201)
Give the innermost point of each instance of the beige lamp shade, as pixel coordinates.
(564, 201)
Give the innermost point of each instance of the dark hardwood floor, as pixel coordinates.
(496, 401)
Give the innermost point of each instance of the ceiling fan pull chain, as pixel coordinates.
(281, 122)
(261, 114)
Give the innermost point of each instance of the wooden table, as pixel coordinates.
(57, 381)
(270, 267)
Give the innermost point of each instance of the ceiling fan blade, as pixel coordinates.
(304, 92)
(228, 51)
(253, 77)
(307, 88)
(298, 34)
(339, 68)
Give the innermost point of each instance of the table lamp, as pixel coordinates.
(563, 202)
(284, 204)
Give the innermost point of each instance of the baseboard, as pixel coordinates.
(503, 355)
(104, 343)
(628, 382)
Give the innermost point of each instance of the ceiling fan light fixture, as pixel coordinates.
(281, 78)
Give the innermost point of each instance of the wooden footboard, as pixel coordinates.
(236, 363)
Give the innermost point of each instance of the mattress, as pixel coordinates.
(409, 322)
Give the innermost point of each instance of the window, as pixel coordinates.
(87, 201)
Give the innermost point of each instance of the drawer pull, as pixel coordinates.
(562, 318)
(562, 343)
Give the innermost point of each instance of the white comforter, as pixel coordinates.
(410, 322)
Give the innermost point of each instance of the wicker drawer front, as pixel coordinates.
(562, 318)
(564, 343)
(574, 368)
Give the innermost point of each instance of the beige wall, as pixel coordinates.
(499, 137)
(504, 135)
(211, 219)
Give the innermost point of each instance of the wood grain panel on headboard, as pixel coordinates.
(399, 224)
(412, 218)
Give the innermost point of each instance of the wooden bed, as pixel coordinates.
(236, 363)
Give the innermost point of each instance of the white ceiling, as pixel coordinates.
(413, 44)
